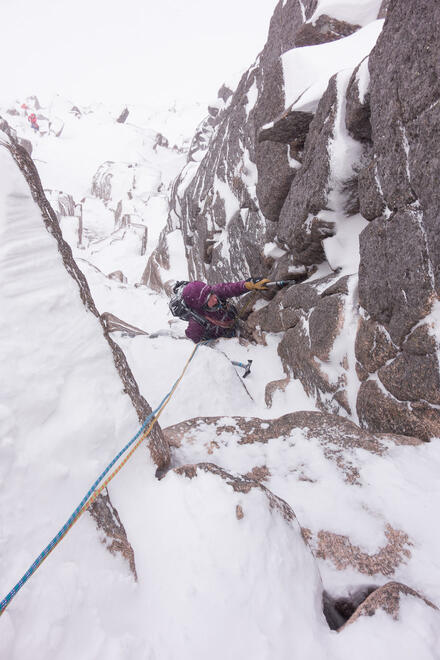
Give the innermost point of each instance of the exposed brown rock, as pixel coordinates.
(107, 520)
(380, 412)
(373, 346)
(230, 132)
(404, 91)
(307, 535)
(26, 144)
(286, 309)
(385, 598)
(325, 323)
(343, 554)
(299, 360)
(302, 296)
(114, 324)
(324, 29)
(62, 203)
(361, 372)
(399, 277)
(258, 473)
(395, 284)
(224, 92)
(299, 228)
(274, 179)
(371, 202)
(420, 341)
(337, 435)
(102, 181)
(383, 8)
(340, 286)
(240, 485)
(230, 159)
(357, 115)
(291, 127)
(273, 318)
(160, 258)
(412, 377)
(123, 116)
(117, 275)
(239, 512)
(273, 387)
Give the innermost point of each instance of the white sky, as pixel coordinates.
(134, 51)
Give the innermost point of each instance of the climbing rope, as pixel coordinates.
(250, 300)
(94, 491)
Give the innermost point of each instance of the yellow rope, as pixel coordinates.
(251, 299)
(139, 442)
(131, 452)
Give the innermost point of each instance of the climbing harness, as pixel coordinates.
(97, 487)
(179, 308)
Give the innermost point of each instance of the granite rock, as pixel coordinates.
(371, 203)
(299, 228)
(411, 377)
(395, 281)
(357, 111)
(325, 324)
(373, 346)
(378, 411)
(113, 531)
(386, 598)
(324, 29)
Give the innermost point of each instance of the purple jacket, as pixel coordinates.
(196, 295)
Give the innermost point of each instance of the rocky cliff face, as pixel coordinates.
(230, 196)
(343, 179)
(229, 191)
(399, 274)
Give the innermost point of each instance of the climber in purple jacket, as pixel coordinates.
(214, 317)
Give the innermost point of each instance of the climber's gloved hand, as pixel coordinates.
(256, 284)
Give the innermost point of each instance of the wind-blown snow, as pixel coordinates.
(211, 584)
(360, 12)
(363, 79)
(342, 249)
(63, 417)
(307, 70)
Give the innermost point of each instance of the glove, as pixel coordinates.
(256, 284)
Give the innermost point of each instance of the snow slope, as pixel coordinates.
(63, 416)
(222, 572)
(307, 70)
(109, 169)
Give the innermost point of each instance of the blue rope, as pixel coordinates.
(31, 570)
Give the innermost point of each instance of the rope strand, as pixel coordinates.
(94, 491)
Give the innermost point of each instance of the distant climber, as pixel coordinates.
(32, 119)
(206, 307)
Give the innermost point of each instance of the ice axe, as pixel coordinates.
(246, 367)
(279, 284)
